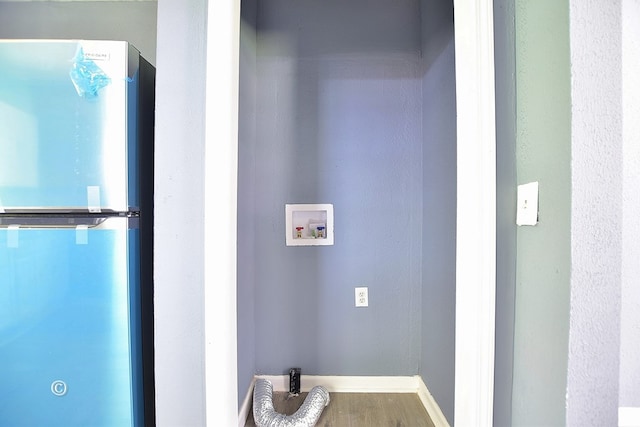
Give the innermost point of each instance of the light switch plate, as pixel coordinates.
(527, 212)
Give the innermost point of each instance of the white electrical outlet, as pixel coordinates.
(362, 297)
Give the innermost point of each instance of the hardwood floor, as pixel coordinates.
(360, 410)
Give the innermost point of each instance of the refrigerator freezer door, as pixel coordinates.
(67, 125)
(69, 334)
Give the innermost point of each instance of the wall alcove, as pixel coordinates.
(352, 103)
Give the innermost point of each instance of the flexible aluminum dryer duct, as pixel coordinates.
(306, 416)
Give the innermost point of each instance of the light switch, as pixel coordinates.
(527, 212)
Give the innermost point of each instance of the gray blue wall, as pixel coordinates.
(246, 199)
(338, 121)
(437, 338)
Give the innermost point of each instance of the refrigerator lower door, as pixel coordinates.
(69, 334)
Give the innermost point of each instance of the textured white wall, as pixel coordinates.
(596, 213)
(630, 314)
(179, 239)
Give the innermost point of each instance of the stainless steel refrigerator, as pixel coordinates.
(76, 234)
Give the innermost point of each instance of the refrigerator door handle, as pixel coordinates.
(106, 222)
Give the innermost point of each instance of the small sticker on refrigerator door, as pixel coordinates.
(93, 198)
(12, 236)
(82, 235)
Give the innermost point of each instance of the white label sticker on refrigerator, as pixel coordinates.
(12, 236)
(82, 235)
(93, 198)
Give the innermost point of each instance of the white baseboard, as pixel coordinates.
(353, 384)
(628, 417)
(430, 404)
(347, 384)
(247, 405)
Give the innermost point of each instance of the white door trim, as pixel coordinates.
(476, 213)
(220, 204)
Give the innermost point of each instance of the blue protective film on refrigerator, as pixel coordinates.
(69, 339)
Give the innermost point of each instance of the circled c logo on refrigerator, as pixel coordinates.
(59, 388)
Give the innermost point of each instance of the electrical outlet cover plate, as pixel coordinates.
(362, 297)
